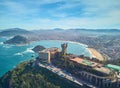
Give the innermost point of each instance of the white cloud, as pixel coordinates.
(66, 23)
(95, 14)
(100, 6)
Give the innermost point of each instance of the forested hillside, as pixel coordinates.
(26, 76)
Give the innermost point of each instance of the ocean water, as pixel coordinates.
(11, 55)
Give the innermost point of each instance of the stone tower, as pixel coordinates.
(64, 48)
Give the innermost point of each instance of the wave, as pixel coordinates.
(7, 46)
(6, 38)
(19, 45)
(14, 66)
(19, 54)
(28, 50)
(1, 43)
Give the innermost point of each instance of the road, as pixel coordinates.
(65, 74)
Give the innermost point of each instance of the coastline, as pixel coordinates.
(44, 40)
(66, 42)
(95, 54)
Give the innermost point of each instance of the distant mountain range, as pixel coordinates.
(98, 30)
(14, 31)
(19, 31)
(80, 30)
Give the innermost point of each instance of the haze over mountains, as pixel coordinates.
(19, 31)
(13, 31)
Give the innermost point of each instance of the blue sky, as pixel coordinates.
(48, 14)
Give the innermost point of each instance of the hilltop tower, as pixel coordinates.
(64, 48)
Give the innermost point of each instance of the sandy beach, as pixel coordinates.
(95, 54)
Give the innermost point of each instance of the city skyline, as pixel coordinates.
(49, 14)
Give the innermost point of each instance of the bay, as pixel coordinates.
(11, 55)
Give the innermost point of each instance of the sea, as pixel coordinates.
(12, 55)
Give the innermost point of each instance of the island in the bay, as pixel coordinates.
(17, 40)
(55, 68)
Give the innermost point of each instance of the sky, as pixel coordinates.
(66, 14)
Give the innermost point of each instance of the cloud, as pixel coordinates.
(100, 7)
(60, 13)
(73, 22)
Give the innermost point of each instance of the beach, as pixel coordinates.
(95, 54)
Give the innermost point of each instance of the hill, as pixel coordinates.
(18, 39)
(27, 76)
(38, 48)
(14, 31)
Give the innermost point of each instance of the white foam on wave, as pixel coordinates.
(6, 38)
(7, 46)
(18, 54)
(1, 43)
(14, 66)
(28, 50)
(19, 45)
